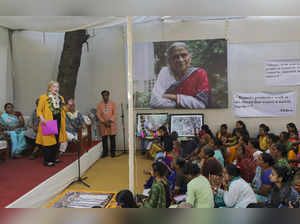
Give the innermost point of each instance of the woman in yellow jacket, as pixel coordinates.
(51, 107)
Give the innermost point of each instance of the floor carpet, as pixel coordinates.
(19, 176)
(111, 175)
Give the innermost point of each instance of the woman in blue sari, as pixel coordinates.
(14, 127)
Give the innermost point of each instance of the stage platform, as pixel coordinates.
(27, 183)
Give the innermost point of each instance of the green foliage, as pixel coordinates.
(205, 52)
(142, 100)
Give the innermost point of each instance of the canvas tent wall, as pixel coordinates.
(251, 40)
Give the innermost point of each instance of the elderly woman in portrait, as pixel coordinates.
(179, 84)
(13, 123)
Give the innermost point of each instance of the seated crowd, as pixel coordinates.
(22, 137)
(223, 170)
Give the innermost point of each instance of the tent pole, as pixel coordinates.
(130, 104)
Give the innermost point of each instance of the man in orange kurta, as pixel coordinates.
(106, 113)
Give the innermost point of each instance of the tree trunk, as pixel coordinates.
(70, 62)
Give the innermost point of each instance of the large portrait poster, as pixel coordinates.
(189, 74)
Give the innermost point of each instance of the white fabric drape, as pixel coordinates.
(6, 86)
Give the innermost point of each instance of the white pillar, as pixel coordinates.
(131, 134)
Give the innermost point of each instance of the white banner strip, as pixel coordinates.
(282, 72)
(264, 104)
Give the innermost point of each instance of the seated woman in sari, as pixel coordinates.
(179, 182)
(235, 191)
(284, 140)
(219, 150)
(165, 143)
(199, 192)
(195, 155)
(165, 158)
(205, 132)
(279, 153)
(14, 127)
(282, 192)
(223, 135)
(180, 85)
(261, 183)
(245, 162)
(262, 137)
(241, 128)
(159, 195)
(209, 165)
(231, 152)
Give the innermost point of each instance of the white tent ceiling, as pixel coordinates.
(69, 23)
(146, 7)
(57, 23)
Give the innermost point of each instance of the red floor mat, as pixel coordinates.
(19, 176)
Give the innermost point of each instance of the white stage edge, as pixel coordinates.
(41, 194)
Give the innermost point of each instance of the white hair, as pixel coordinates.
(176, 44)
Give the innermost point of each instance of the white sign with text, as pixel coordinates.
(282, 72)
(264, 104)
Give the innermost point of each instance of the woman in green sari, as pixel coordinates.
(159, 196)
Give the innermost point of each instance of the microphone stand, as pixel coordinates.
(123, 126)
(79, 178)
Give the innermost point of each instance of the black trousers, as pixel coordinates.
(112, 145)
(50, 152)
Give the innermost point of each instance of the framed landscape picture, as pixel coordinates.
(148, 123)
(184, 124)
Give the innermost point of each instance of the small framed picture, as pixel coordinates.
(186, 124)
(147, 124)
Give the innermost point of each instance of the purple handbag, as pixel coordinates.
(50, 128)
